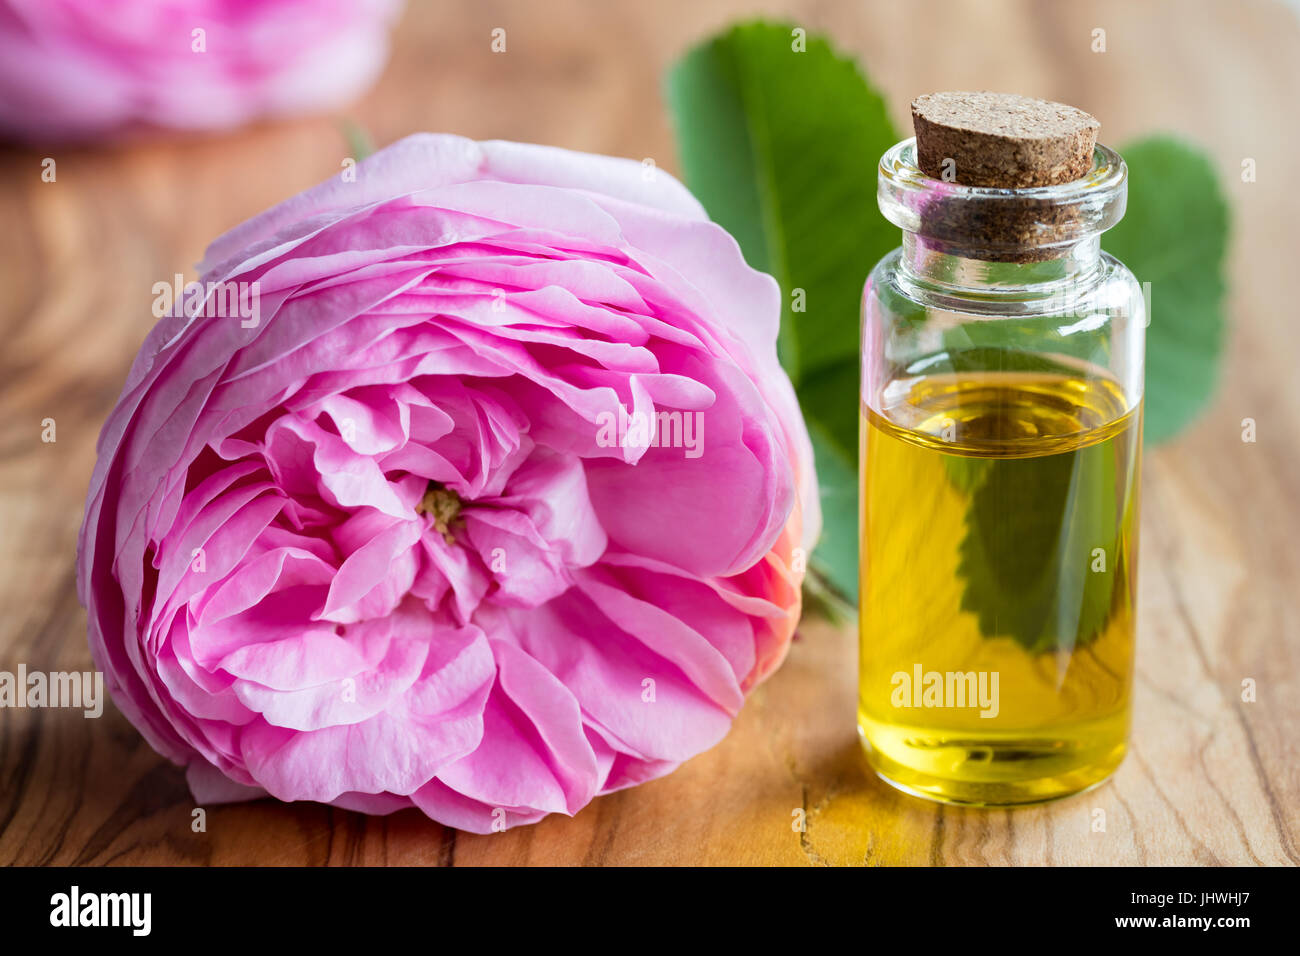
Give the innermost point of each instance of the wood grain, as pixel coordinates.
(1211, 779)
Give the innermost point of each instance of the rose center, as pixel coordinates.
(443, 506)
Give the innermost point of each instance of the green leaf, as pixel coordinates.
(781, 146)
(1031, 529)
(836, 557)
(1174, 235)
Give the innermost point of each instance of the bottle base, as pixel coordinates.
(992, 771)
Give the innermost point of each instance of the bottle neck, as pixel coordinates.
(1075, 264)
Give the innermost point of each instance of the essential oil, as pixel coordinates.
(997, 579)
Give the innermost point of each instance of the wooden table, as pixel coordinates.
(1211, 779)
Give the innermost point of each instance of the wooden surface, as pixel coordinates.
(1210, 779)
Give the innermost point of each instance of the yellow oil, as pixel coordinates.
(999, 535)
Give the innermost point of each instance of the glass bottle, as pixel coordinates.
(1001, 433)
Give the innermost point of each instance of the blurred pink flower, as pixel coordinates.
(398, 530)
(83, 69)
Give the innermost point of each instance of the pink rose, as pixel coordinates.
(80, 69)
(392, 527)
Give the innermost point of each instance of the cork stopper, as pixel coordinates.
(1001, 139)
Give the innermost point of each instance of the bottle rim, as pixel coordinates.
(986, 222)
